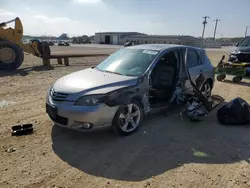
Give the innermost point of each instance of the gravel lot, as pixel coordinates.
(167, 151)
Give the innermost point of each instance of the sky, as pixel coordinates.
(161, 17)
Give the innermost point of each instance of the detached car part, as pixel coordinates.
(24, 129)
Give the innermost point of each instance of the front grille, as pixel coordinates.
(243, 57)
(58, 96)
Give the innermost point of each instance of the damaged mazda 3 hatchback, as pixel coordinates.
(129, 84)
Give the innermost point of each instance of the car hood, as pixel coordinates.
(243, 49)
(92, 81)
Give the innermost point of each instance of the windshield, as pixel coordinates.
(128, 62)
(245, 42)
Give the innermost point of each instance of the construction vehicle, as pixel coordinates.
(12, 48)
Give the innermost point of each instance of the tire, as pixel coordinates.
(207, 89)
(15, 55)
(119, 124)
(237, 79)
(221, 77)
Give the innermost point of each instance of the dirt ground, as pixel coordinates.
(167, 151)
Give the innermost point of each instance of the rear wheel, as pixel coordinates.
(11, 55)
(128, 118)
(207, 89)
(237, 79)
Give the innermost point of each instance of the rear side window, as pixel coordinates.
(201, 56)
(193, 59)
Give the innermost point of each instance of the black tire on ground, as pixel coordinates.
(237, 79)
(14, 63)
(221, 77)
(116, 124)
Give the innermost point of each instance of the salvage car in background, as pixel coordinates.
(51, 43)
(242, 52)
(130, 83)
(127, 44)
(62, 43)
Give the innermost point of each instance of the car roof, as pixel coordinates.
(160, 47)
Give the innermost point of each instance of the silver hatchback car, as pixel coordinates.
(132, 82)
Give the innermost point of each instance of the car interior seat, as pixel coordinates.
(163, 77)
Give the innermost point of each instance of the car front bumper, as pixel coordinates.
(66, 114)
(240, 57)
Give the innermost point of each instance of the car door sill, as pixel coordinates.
(155, 110)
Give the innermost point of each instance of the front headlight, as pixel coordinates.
(91, 100)
(235, 52)
(49, 92)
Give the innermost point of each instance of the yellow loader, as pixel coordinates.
(12, 48)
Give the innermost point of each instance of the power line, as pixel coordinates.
(215, 28)
(246, 31)
(204, 26)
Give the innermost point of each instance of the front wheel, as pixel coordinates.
(221, 77)
(128, 118)
(11, 55)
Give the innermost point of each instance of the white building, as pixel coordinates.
(139, 38)
(113, 37)
(164, 39)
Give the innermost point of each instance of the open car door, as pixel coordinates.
(199, 105)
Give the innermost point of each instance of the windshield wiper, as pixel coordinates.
(114, 72)
(111, 72)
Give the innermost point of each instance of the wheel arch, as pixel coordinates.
(135, 100)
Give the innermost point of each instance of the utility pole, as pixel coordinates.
(204, 26)
(216, 22)
(246, 31)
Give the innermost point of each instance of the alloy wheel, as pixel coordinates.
(129, 117)
(206, 90)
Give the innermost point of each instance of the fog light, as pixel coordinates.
(87, 125)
